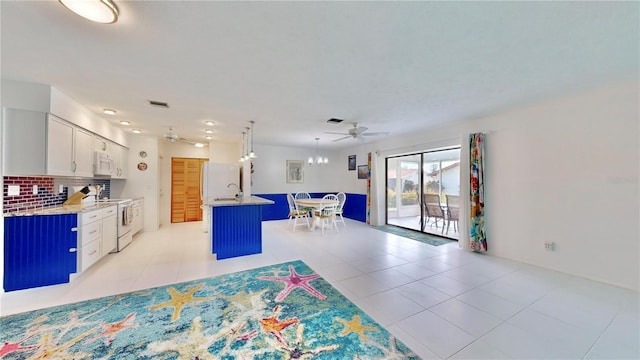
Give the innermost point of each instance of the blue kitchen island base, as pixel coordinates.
(236, 230)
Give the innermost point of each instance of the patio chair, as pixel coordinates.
(342, 198)
(296, 214)
(433, 209)
(453, 211)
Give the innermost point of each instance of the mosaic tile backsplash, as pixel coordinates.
(48, 194)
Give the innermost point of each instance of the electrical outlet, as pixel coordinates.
(60, 189)
(13, 190)
(35, 189)
(550, 246)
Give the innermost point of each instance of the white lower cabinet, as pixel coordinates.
(98, 231)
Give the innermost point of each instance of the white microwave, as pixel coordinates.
(103, 164)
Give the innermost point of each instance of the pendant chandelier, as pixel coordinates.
(242, 159)
(252, 155)
(318, 160)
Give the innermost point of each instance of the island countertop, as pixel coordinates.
(250, 200)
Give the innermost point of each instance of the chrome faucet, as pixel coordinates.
(239, 194)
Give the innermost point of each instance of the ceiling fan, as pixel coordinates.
(357, 132)
(173, 137)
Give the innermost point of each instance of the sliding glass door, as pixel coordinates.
(422, 191)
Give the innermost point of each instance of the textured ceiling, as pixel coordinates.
(290, 66)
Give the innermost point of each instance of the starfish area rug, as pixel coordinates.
(283, 311)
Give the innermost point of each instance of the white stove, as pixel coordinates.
(125, 220)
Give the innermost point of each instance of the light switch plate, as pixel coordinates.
(60, 189)
(35, 189)
(14, 190)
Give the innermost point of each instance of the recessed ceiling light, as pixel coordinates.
(209, 123)
(198, 145)
(209, 131)
(125, 123)
(136, 131)
(109, 111)
(100, 11)
(208, 137)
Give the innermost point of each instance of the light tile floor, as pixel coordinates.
(439, 300)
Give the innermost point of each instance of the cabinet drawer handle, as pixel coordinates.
(93, 252)
(92, 232)
(93, 217)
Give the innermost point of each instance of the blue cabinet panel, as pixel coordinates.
(39, 250)
(236, 230)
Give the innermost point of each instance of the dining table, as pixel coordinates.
(317, 204)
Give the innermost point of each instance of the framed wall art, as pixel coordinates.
(352, 162)
(363, 171)
(295, 171)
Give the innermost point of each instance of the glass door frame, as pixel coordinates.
(420, 187)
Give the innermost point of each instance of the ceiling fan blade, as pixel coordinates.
(335, 133)
(376, 134)
(342, 138)
(360, 130)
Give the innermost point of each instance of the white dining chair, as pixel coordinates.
(296, 214)
(303, 195)
(327, 212)
(342, 198)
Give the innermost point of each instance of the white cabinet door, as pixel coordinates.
(83, 154)
(120, 155)
(109, 234)
(59, 147)
(22, 157)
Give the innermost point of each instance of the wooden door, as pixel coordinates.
(185, 189)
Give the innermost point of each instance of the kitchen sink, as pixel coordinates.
(226, 199)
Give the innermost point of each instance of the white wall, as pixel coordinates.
(70, 110)
(270, 171)
(564, 170)
(142, 183)
(167, 151)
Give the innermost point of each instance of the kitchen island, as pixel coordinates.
(235, 226)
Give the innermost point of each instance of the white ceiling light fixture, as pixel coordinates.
(318, 160)
(209, 131)
(198, 145)
(208, 137)
(100, 11)
(109, 112)
(125, 123)
(252, 155)
(209, 123)
(136, 131)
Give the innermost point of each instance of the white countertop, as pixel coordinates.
(61, 209)
(250, 200)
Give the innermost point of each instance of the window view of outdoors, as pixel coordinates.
(423, 192)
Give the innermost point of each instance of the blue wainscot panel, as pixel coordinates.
(355, 207)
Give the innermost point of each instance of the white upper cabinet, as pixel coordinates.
(59, 147)
(83, 156)
(37, 143)
(69, 149)
(24, 142)
(121, 161)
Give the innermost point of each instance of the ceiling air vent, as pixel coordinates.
(159, 104)
(334, 121)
